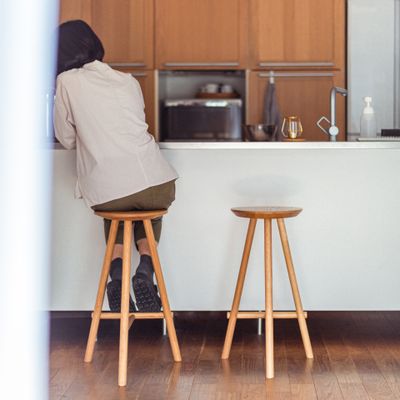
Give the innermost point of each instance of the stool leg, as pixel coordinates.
(94, 326)
(163, 292)
(239, 289)
(124, 322)
(295, 289)
(269, 319)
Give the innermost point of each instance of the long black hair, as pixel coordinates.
(77, 45)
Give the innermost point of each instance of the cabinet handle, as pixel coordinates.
(200, 64)
(296, 74)
(137, 74)
(133, 65)
(296, 64)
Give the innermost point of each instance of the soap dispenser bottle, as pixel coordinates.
(368, 120)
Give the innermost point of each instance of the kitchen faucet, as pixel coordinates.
(333, 129)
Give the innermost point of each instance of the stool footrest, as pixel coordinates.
(134, 315)
(261, 314)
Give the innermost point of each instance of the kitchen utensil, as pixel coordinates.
(226, 88)
(292, 127)
(210, 88)
(260, 132)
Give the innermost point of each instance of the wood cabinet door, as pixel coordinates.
(76, 9)
(146, 80)
(297, 33)
(125, 28)
(304, 94)
(201, 34)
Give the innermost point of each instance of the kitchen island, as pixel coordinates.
(345, 243)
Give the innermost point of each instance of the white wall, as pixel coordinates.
(371, 60)
(345, 244)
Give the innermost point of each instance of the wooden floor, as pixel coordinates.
(357, 356)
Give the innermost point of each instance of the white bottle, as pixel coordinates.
(368, 120)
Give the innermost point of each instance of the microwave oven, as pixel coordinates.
(202, 120)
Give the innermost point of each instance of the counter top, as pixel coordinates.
(277, 145)
(265, 145)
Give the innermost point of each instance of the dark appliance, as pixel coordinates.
(202, 120)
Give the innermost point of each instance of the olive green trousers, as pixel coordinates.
(157, 197)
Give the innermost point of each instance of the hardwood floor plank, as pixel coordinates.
(372, 378)
(354, 391)
(303, 391)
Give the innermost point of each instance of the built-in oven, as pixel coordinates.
(202, 120)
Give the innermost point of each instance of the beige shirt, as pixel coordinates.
(100, 111)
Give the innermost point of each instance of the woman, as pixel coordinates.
(100, 111)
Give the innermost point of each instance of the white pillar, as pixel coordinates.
(27, 43)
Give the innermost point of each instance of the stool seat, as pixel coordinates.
(130, 215)
(266, 212)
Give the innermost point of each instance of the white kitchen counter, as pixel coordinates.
(278, 145)
(345, 244)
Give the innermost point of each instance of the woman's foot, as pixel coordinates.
(114, 296)
(146, 294)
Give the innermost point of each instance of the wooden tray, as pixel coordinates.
(233, 95)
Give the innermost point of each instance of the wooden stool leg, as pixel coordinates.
(239, 289)
(269, 319)
(100, 292)
(163, 292)
(295, 289)
(124, 322)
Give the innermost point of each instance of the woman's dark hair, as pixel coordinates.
(77, 46)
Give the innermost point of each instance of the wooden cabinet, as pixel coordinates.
(146, 80)
(126, 29)
(76, 9)
(297, 33)
(201, 34)
(304, 94)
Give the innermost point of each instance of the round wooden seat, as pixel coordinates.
(266, 212)
(131, 215)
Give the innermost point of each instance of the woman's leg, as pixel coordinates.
(153, 198)
(146, 294)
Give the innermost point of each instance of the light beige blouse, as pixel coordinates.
(100, 111)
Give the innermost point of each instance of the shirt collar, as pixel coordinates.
(96, 66)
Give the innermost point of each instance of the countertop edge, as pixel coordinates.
(276, 145)
(263, 145)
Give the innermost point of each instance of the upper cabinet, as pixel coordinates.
(297, 33)
(126, 28)
(205, 34)
(76, 9)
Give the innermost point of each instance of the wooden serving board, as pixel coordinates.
(233, 95)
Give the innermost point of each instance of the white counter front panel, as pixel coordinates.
(345, 244)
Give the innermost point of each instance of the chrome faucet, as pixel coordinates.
(333, 130)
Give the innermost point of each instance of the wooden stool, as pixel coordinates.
(126, 318)
(267, 214)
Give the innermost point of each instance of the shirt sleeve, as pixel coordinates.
(64, 125)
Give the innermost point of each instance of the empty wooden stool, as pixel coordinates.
(126, 318)
(267, 214)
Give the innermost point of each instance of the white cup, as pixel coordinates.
(211, 88)
(226, 89)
